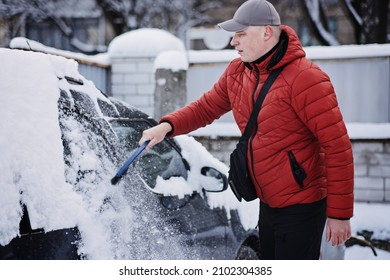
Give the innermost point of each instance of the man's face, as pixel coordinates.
(250, 43)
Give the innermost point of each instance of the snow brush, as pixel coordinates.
(124, 168)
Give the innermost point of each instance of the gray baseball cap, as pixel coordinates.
(252, 13)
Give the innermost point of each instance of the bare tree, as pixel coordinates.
(176, 16)
(19, 12)
(314, 10)
(369, 19)
(192, 13)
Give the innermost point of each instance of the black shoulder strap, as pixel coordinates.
(256, 108)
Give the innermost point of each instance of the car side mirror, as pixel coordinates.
(213, 180)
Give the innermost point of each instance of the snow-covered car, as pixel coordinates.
(63, 140)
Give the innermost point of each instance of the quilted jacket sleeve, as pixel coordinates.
(209, 107)
(315, 102)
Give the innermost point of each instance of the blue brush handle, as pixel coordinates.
(129, 161)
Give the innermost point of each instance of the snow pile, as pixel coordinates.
(173, 60)
(144, 43)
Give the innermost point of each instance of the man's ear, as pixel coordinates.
(268, 32)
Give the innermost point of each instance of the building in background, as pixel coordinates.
(89, 26)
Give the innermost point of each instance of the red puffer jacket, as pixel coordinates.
(300, 125)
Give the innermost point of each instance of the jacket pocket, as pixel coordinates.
(297, 171)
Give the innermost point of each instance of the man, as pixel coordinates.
(299, 124)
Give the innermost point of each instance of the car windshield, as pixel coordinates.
(163, 160)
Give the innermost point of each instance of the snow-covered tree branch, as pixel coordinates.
(369, 19)
(19, 12)
(176, 16)
(315, 13)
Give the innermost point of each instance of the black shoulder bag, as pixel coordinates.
(239, 179)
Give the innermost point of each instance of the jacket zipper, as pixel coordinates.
(254, 133)
(297, 171)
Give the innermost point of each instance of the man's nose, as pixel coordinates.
(233, 42)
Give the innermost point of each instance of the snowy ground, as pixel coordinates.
(373, 217)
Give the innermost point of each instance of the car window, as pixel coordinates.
(163, 160)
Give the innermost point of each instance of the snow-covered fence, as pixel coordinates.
(361, 77)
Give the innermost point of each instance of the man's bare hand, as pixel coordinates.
(155, 134)
(338, 231)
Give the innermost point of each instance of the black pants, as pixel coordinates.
(293, 232)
